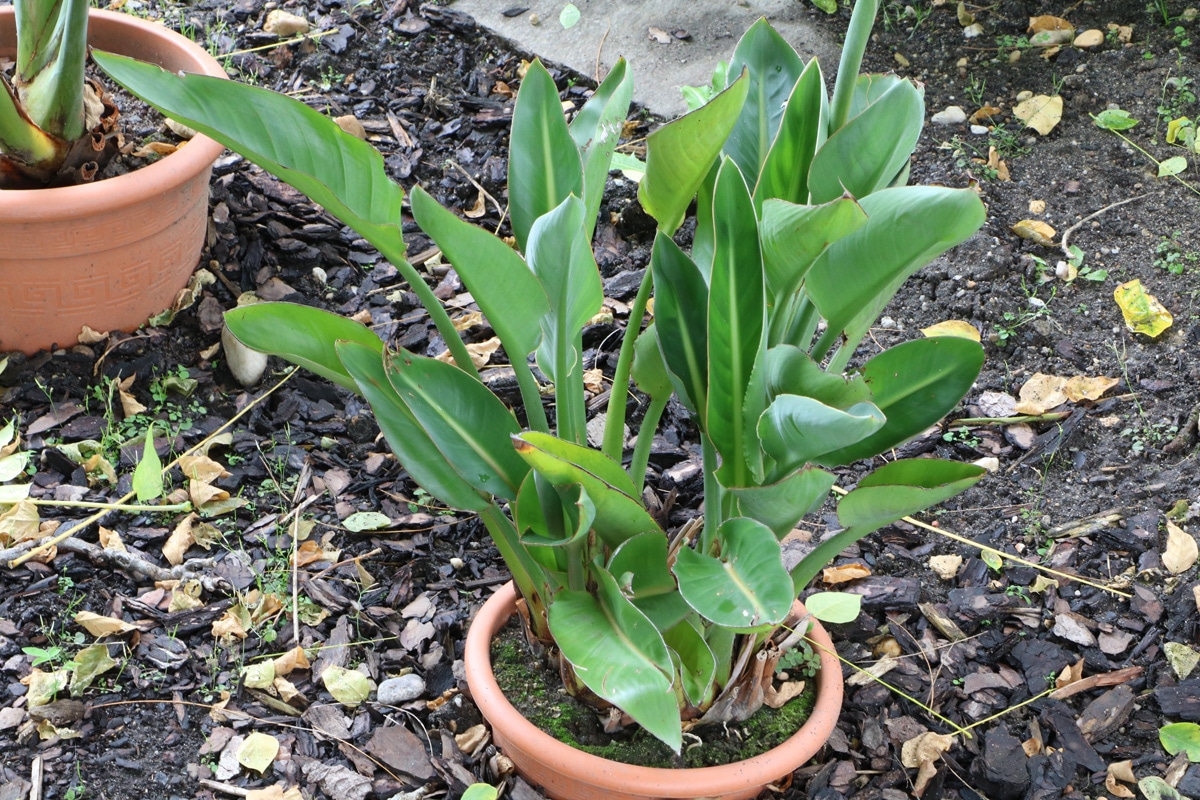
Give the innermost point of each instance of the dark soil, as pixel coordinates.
(432, 102)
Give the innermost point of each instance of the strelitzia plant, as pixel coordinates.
(804, 231)
(50, 111)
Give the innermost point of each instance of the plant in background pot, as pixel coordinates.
(109, 253)
(804, 231)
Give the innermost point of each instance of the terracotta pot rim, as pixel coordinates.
(162, 176)
(650, 781)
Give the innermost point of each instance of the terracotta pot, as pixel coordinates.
(565, 773)
(112, 253)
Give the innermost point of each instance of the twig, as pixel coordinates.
(1067, 233)
(599, 50)
(1053, 416)
(35, 778)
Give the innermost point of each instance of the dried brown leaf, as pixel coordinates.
(101, 626)
(478, 209)
(180, 540)
(1181, 551)
(1041, 393)
(1070, 674)
(1119, 771)
(1084, 387)
(844, 573)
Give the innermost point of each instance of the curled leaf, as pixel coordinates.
(1036, 231)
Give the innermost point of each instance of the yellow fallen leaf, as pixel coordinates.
(258, 751)
(232, 624)
(1040, 112)
(100, 626)
(478, 210)
(1036, 231)
(180, 540)
(1041, 393)
(111, 540)
(1071, 673)
(953, 327)
(844, 573)
(1143, 313)
(1196, 596)
(985, 114)
(994, 162)
(155, 149)
(293, 659)
(1181, 551)
(922, 752)
(468, 320)
(202, 468)
(1083, 387)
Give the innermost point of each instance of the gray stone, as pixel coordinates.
(395, 691)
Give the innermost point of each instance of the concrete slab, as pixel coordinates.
(608, 29)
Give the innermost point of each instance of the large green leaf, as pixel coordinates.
(618, 515)
(469, 424)
(697, 664)
(680, 154)
(790, 370)
(746, 586)
(303, 335)
(736, 326)
(871, 148)
(506, 291)
(782, 504)
(543, 161)
(795, 236)
(702, 239)
(893, 491)
(796, 430)
(681, 319)
(618, 654)
(415, 451)
(640, 566)
(649, 371)
(596, 130)
(774, 68)
(784, 173)
(906, 228)
(914, 384)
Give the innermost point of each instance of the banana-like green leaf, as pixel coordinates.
(721, 640)
(736, 327)
(303, 335)
(795, 430)
(782, 504)
(51, 52)
(790, 370)
(914, 384)
(746, 587)
(582, 515)
(893, 491)
(287, 138)
(596, 130)
(702, 239)
(414, 449)
(640, 566)
(618, 654)
(784, 173)
(543, 161)
(680, 154)
(22, 140)
(618, 515)
(906, 228)
(697, 664)
(774, 67)
(870, 149)
(508, 294)
(649, 370)
(681, 319)
(469, 424)
(795, 236)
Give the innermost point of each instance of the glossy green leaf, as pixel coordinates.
(618, 515)
(746, 586)
(906, 228)
(147, 475)
(649, 370)
(13, 465)
(1114, 119)
(914, 384)
(736, 326)
(696, 662)
(773, 67)
(836, 607)
(870, 149)
(543, 161)
(784, 173)
(618, 654)
(415, 451)
(680, 154)
(702, 238)
(795, 430)
(893, 491)
(1179, 736)
(795, 236)
(303, 335)
(681, 320)
(470, 425)
(507, 293)
(640, 566)
(596, 130)
(789, 370)
(782, 504)
(721, 640)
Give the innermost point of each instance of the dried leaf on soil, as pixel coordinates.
(1040, 112)
(366, 521)
(293, 659)
(349, 687)
(1172, 166)
(1070, 674)
(844, 573)
(1119, 771)
(258, 751)
(953, 327)
(921, 752)
(1143, 313)
(1083, 387)
(233, 624)
(101, 626)
(1048, 22)
(1155, 788)
(260, 675)
(1181, 550)
(1036, 231)
(90, 663)
(1041, 393)
(1183, 659)
(180, 540)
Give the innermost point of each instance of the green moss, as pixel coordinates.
(537, 693)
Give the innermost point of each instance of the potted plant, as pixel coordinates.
(108, 253)
(804, 231)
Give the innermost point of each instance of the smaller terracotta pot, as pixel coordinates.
(565, 773)
(107, 254)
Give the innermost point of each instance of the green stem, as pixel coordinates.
(713, 506)
(525, 571)
(568, 393)
(132, 508)
(862, 19)
(531, 396)
(614, 422)
(1053, 416)
(433, 306)
(1157, 163)
(641, 451)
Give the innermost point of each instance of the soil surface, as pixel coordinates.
(1086, 494)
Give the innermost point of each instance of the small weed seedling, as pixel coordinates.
(1171, 256)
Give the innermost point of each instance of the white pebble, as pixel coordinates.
(979, 130)
(951, 115)
(394, 691)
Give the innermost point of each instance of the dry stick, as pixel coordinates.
(1067, 233)
(99, 515)
(599, 50)
(301, 485)
(499, 208)
(1040, 567)
(35, 778)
